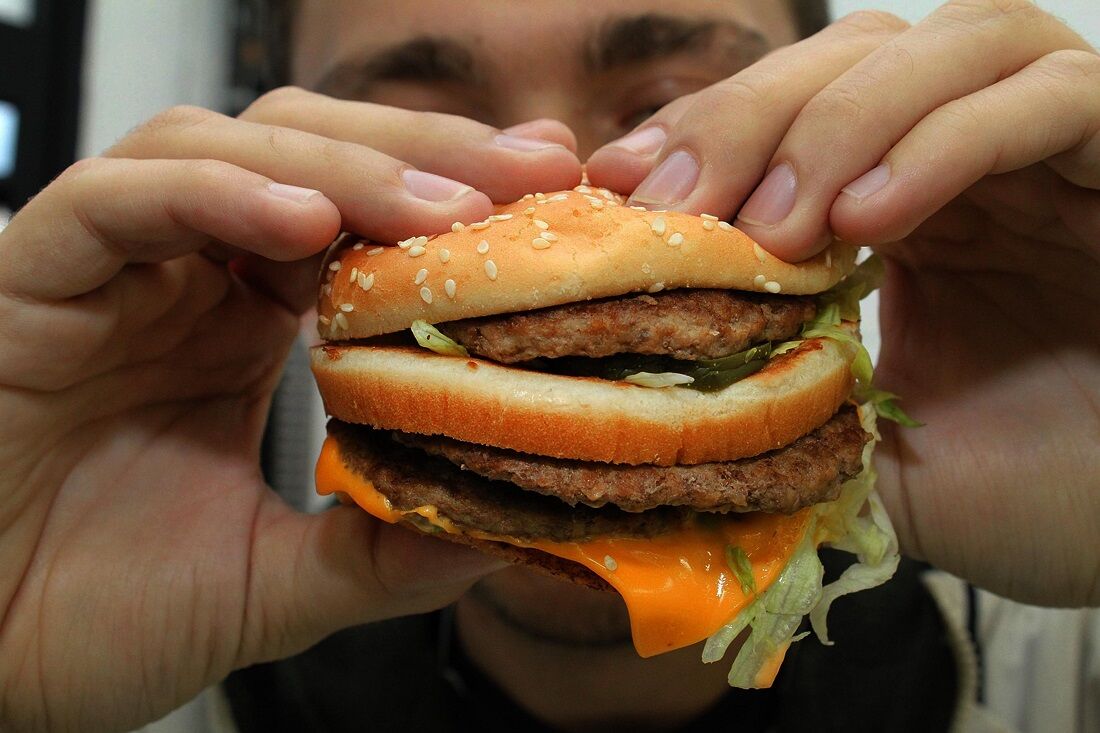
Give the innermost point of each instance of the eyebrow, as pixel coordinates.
(637, 39)
(619, 42)
(422, 59)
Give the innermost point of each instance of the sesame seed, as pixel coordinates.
(725, 226)
(457, 227)
(357, 246)
(658, 226)
(366, 282)
(527, 196)
(656, 287)
(540, 243)
(709, 217)
(609, 563)
(583, 189)
(676, 239)
(559, 197)
(708, 225)
(500, 217)
(540, 196)
(759, 280)
(354, 274)
(529, 210)
(828, 259)
(646, 268)
(607, 194)
(772, 286)
(541, 224)
(479, 225)
(491, 269)
(639, 208)
(550, 236)
(426, 295)
(449, 287)
(421, 241)
(759, 252)
(421, 276)
(376, 251)
(327, 290)
(482, 247)
(325, 320)
(347, 307)
(444, 255)
(406, 243)
(334, 266)
(596, 204)
(340, 321)
(416, 250)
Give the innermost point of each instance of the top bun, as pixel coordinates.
(546, 250)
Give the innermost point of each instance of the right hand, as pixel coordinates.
(147, 301)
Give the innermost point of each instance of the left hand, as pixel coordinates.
(966, 150)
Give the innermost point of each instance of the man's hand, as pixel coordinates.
(147, 300)
(966, 150)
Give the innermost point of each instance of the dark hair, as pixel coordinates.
(265, 34)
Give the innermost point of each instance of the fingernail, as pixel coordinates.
(525, 144)
(772, 200)
(646, 141)
(870, 182)
(669, 183)
(297, 194)
(526, 130)
(430, 187)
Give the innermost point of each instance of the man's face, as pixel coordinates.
(599, 66)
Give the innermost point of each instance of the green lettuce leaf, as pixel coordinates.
(432, 338)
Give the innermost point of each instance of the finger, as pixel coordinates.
(545, 129)
(718, 150)
(621, 165)
(1049, 111)
(378, 196)
(957, 50)
(501, 165)
(291, 284)
(103, 214)
(313, 575)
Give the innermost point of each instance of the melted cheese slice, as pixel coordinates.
(677, 586)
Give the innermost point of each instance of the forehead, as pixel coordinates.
(507, 35)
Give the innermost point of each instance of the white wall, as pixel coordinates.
(142, 57)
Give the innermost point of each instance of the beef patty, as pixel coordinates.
(806, 472)
(411, 479)
(685, 324)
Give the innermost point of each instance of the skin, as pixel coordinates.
(135, 529)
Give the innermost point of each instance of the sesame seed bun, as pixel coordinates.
(549, 250)
(418, 391)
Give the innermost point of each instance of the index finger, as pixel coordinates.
(101, 215)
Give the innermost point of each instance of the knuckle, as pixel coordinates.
(873, 22)
(961, 116)
(181, 116)
(275, 100)
(970, 13)
(81, 168)
(209, 171)
(1071, 64)
(752, 88)
(844, 101)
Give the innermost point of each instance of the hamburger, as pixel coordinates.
(639, 401)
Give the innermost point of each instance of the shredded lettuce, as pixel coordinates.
(741, 566)
(775, 615)
(865, 279)
(432, 338)
(885, 404)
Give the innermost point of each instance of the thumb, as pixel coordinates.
(312, 575)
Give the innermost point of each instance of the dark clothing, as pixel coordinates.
(891, 669)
